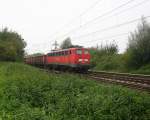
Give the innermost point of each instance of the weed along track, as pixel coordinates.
(140, 82)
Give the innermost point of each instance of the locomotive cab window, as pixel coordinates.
(49, 54)
(86, 52)
(59, 53)
(79, 52)
(63, 53)
(66, 52)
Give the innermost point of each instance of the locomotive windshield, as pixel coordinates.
(79, 52)
(86, 52)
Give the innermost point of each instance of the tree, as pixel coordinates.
(138, 51)
(37, 54)
(108, 49)
(11, 46)
(66, 43)
(76, 46)
(103, 57)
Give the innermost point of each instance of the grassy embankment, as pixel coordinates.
(26, 93)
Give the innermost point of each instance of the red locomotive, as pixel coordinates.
(75, 58)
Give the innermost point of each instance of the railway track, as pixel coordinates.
(136, 81)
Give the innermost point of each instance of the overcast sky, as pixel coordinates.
(41, 22)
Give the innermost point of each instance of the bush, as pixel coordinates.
(106, 58)
(138, 51)
(143, 70)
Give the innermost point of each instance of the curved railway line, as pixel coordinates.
(136, 81)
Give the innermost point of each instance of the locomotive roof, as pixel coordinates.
(59, 50)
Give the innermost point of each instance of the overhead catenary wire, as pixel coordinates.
(109, 12)
(108, 17)
(125, 10)
(92, 6)
(136, 5)
(111, 27)
(101, 16)
(82, 14)
(107, 37)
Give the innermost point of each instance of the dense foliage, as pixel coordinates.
(27, 93)
(11, 46)
(136, 58)
(106, 58)
(138, 50)
(66, 43)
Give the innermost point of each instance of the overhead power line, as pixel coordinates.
(92, 6)
(101, 30)
(83, 13)
(125, 10)
(111, 27)
(109, 12)
(101, 16)
(108, 37)
(136, 5)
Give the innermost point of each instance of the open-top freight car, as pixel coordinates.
(74, 58)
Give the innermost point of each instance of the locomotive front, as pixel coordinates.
(82, 58)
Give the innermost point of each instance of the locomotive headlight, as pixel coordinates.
(80, 60)
(85, 60)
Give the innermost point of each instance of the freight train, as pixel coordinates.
(71, 58)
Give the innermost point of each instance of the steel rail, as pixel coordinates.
(136, 81)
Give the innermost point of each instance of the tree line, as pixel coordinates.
(136, 56)
(11, 46)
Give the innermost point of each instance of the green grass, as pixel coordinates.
(26, 93)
